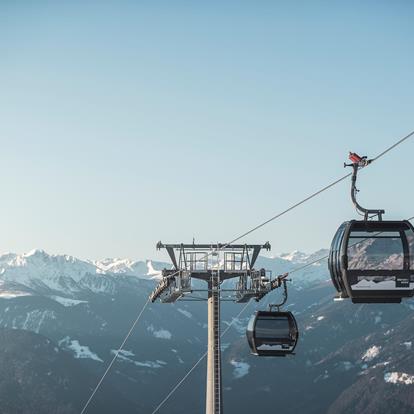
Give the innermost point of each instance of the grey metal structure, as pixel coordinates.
(359, 163)
(214, 264)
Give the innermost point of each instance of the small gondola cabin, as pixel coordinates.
(272, 333)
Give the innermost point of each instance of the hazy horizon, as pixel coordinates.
(160, 256)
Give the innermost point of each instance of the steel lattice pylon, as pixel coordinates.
(213, 263)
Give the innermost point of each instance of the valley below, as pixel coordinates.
(62, 319)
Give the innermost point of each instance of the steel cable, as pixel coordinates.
(276, 216)
(197, 363)
(114, 358)
(226, 330)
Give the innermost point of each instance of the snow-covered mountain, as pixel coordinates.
(296, 256)
(85, 308)
(297, 263)
(144, 270)
(40, 271)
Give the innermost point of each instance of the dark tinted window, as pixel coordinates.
(375, 251)
(272, 327)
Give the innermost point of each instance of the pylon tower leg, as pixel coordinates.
(214, 403)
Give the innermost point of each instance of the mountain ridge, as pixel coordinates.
(40, 271)
(341, 346)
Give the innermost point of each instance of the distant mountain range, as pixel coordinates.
(38, 269)
(64, 316)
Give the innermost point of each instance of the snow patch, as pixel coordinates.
(123, 356)
(150, 364)
(123, 352)
(185, 313)
(371, 353)
(33, 320)
(382, 364)
(241, 369)
(399, 378)
(295, 256)
(237, 325)
(67, 302)
(129, 267)
(80, 351)
(9, 294)
(160, 333)
(154, 274)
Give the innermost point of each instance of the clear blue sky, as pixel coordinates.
(123, 123)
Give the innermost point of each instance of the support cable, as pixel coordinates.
(225, 331)
(234, 240)
(196, 364)
(306, 199)
(180, 382)
(393, 146)
(114, 358)
(400, 141)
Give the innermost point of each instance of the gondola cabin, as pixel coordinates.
(373, 261)
(272, 333)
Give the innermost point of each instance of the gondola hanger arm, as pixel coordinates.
(358, 162)
(283, 281)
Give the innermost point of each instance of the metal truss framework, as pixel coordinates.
(214, 264)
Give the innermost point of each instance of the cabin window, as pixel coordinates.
(272, 328)
(375, 251)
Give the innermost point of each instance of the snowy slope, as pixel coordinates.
(39, 270)
(144, 270)
(342, 346)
